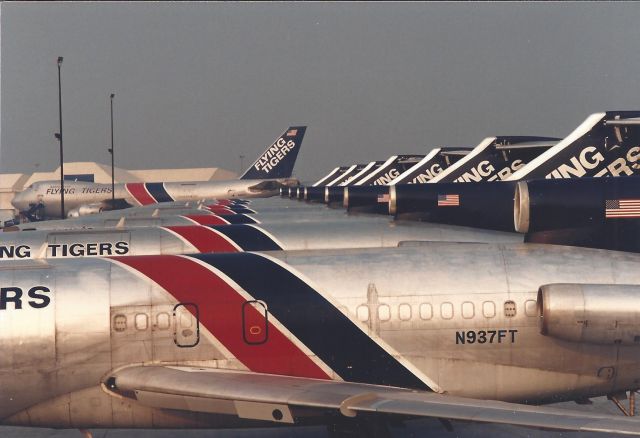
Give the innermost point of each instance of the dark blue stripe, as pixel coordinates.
(240, 209)
(320, 326)
(158, 192)
(247, 237)
(239, 219)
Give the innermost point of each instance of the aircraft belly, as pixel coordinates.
(92, 407)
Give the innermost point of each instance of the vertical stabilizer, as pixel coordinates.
(279, 158)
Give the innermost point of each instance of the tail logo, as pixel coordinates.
(387, 177)
(590, 158)
(275, 153)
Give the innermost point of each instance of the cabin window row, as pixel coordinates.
(446, 310)
(140, 321)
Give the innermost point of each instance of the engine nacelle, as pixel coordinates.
(554, 204)
(85, 210)
(590, 313)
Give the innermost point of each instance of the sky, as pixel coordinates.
(200, 84)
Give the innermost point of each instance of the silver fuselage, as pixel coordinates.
(188, 217)
(418, 303)
(187, 239)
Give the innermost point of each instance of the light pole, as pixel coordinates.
(113, 192)
(241, 162)
(59, 137)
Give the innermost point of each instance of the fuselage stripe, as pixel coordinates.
(318, 324)
(221, 210)
(140, 193)
(221, 309)
(249, 238)
(240, 219)
(158, 191)
(204, 239)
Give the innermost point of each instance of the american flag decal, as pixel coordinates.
(448, 200)
(615, 208)
(383, 198)
(291, 132)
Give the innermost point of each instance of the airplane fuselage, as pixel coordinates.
(79, 194)
(189, 239)
(456, 318)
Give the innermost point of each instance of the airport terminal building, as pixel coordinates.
(12, 183)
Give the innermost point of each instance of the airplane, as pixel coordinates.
(369, 176)
(188, 217)
(195, 238)
(605, 144)
(425, 169)
(263, 178)
(353, 339)
(494, 159)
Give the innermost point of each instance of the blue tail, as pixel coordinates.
(279, 158)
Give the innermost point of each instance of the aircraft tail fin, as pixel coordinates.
(605, 144)
(278, 159)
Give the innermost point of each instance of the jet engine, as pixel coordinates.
(553, 204)
(590, 313)
(85, 210)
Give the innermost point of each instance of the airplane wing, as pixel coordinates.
(276, 398)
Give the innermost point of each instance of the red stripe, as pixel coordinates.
(222, 202)
(220, 308)
(140, 193)
(203, 238)
(207, 219)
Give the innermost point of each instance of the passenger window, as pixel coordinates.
(404, 312)
(384, 312)
(362, 313)
(426, 311)
(468, 311)
(163, 321)
(141, 321)
(509, 309)
(446, 310)
(530, 308)
(120, 322)
(489, 309)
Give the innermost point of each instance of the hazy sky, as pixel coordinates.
(199, 84)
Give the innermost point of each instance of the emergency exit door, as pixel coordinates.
(255, 322)
(186, 325)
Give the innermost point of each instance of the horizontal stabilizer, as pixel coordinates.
(623, 122)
